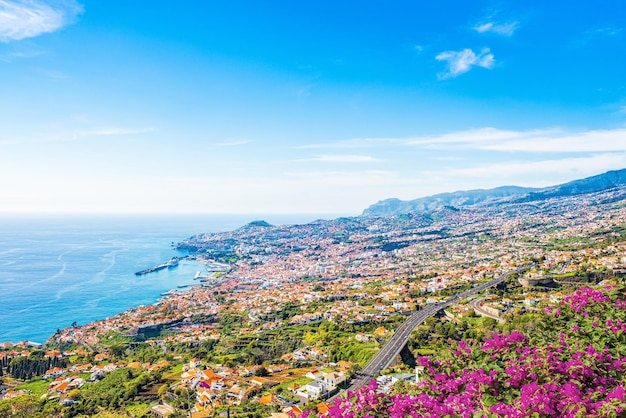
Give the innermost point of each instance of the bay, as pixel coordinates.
(58, 270)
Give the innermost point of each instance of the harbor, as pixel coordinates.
(171, 263)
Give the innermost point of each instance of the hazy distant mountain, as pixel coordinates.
(474, 197)
(592, 184)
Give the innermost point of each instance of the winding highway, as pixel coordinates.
(476, 304)
(385, 357)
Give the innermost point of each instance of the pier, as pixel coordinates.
(171, 263)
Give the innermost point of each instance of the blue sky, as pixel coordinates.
(301, 107)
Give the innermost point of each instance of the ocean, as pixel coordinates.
(55, 271)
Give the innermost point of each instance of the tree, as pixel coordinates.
(24, 406)
(261, 372)
(117, 350)
(74, 394)
(162, 392)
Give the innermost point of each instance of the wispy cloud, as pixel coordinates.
(113, 132)
(535, 173)
(460, 62)
(304, 91)
(602, 33)
(506, 29)
(553, 140)
(233, 143)
(352, 143)
(52, 74)
(598, 34)
(546, 140)
(337, 158)
(75, 136)
(21, 19)
(22, 50)
(607, 31)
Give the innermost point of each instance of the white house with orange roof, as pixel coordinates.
(54, 372)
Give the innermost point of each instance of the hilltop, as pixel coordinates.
(601, 182)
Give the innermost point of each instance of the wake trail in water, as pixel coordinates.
(58, 274)
(11, 251)
(76, 248)
(12, 316)
(111, 256)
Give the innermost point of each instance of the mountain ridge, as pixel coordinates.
(394, 206)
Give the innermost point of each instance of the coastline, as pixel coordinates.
(161, 298)
(56, 270)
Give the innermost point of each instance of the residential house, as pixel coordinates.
(315, 374)
(313, 390)
(262, 382)
(162, 410)
(54, 372)
(334, 379)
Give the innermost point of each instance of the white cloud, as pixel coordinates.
(52, 74)
(609, 31)
(345, 159)
(361, 178)
(460, 62)
(350, 143)
(602, 34)
(22, 50)
(235, 143)
(541, 140)
(74, 136)
(304, 91)
(21, 19)
(114, 132)
(492, 139)
(533, 173)
(506, 29)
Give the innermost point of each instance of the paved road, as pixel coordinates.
(476, 304)
(385, 357)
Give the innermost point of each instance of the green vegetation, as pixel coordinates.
(300, 381)
(36, 364)
(359, 318)
(113, 338)
(173, 373)
(37, 387)
(353, 351)
(118, 389)
(138, 410)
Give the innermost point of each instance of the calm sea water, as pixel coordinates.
(56, 270)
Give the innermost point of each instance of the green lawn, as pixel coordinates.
(38, 387)
(174, 373)
(565, 275)
(301, 381)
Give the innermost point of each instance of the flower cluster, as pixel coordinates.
(571, 366)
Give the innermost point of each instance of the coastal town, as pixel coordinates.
(283, 317)
(312, 209)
